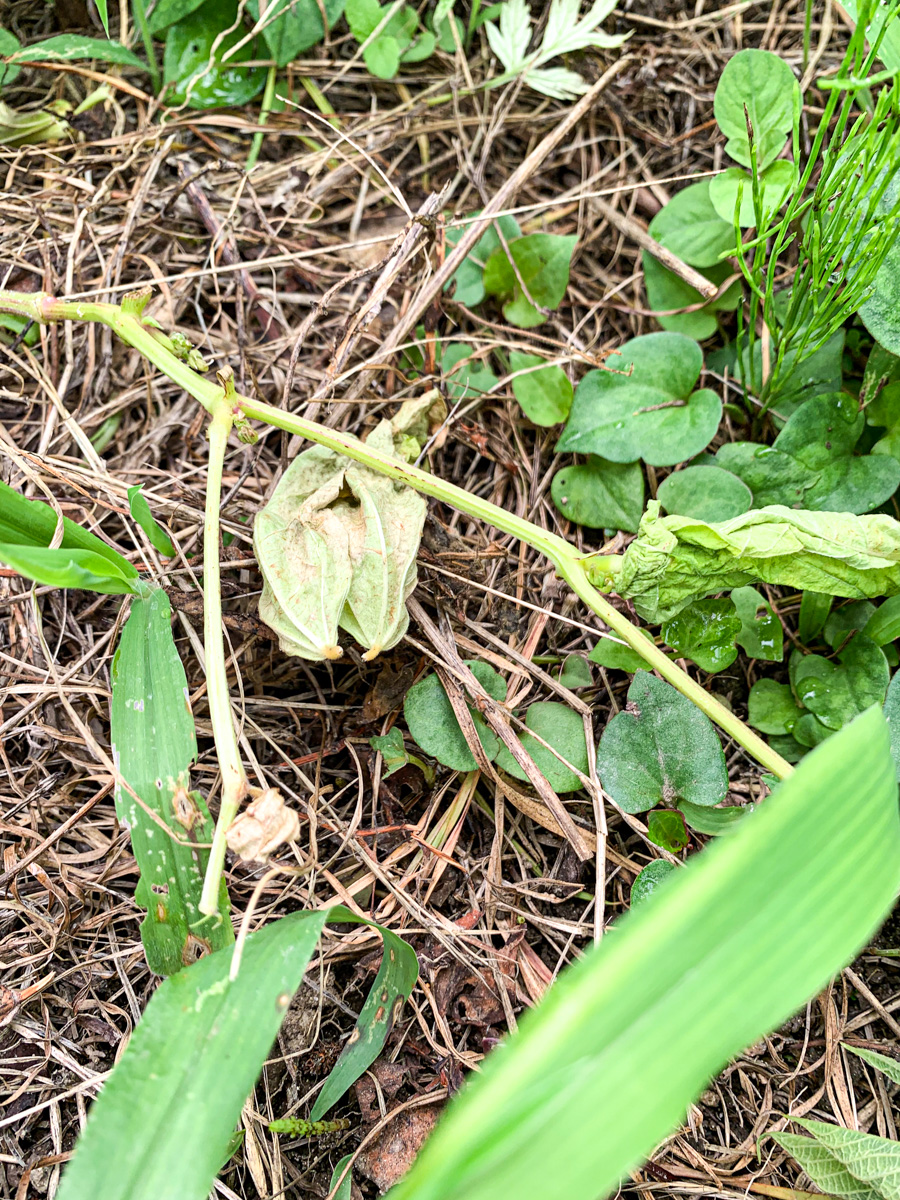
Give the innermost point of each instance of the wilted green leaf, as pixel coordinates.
(468, 282)
(207, 1036)
(153, 743)
(660, 749)
(761, 635)
(649, 880)
(189, 48)
(140, 512)
(710, 493)
(563, 729)
(433, 724)
(600, 494)
(691, 228)
(705, 633)
(545, 394)
(772, 708)
(761, 83)
(648, 413)
(667, 291)
(675, 560)
(666, 829)
(541, 264)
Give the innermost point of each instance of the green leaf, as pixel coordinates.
(892, 716)
(809, 731)
(293, 26)
(705, 634)
(207, 1036)
(710, 493)
(761, 635)
(541, 264)
(884, 624)
(468, 280)
(103, 14)
(187, 56)
(675, 560)
(382, 56)
(9, 44)
(666, 291)
(880, 313)
(140, 512)
(650, 413)
(344, 1188)
(889, 50)
(391, 747)
(711, 821)
(614, 655)
(775, 185)
(69, 569)
(423, 47)
(169, 12)
(465, 377)
(666, 829)
(691, 228)
(575, 672)
(755, 86)
(563, 729)
(772, 708)
(814, 610)
(812, 463)
(603, 495)
(650, 879)
(735, 941)
(70, 47)
(836, 693)
(846, 620)
(363, 17)
(545, 394)
(153, 743)
(433, 724)
(660, 749)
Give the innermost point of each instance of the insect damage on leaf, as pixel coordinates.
(337, 544)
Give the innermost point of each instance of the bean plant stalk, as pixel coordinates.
(226, 408)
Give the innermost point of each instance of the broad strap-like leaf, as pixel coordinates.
(152, 733)
(722, 952)
(161, 1127)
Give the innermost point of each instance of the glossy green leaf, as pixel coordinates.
(575, 672)
(189, 50)
(9, 44)
(609, 652)
(724, 951)
(293, 26)
(772, 708)
(72, 47)
(660, 749)
(691, 228)
(168, 12)
(710, 493)
(761, 634)
(207, 1037)
(541, 264)
(649, 880)
(884, 624)
(544, 394)
(465, 376)
(814, 610)
(836, 692)
(711, 821)
(651, 412)
(468, 280)
(600, 494)
(705, 633)
(756, 86)
(675, 560)
(666, 829)
(667, 291)
(563, 729)
(153, 744)
(775, 185)
(433, 724)
(140, 512)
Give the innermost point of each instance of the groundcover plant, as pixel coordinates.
(726, 508)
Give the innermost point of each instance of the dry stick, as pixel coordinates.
(435, 286)
(637, 233)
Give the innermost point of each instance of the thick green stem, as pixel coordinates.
(568, 562)
(234, 781)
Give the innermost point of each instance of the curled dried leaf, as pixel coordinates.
(264, 825)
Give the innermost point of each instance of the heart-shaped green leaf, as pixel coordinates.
(292, 26)
(600, 494)
(649, 880)
(705, 634)
(468, 280)
(756, 88)
(541, 264)
(710, 493)
(772, 708)
(544, 392)
(761, 635)
(433, 724)
(775, 185)
(691, 227)
(667, 291)
(563, 729)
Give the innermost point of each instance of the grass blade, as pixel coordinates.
(719, 954)
(140, 512)
(161, 1127)
(154, 745)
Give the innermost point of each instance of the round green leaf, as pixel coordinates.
(545, 393)
(616, 656)
(704, 632)
(432, 723)
(541, 264)
(9, 44)
(691, 227)
(382, 57)
(771, 707)
(575, 672)
(600, 494)
(187, 55)
(707, 493)
(775, 183)
(423, 47)
(661, 748)
(649, 879)
(758, 86)
(564, 730)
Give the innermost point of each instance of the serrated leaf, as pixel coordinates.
(705, 633)
(600, 494)
(660, 749)
(650, 412)
(563, 729)
(544, 393)
(710, 493)
(433, 724)
(761, 634)
(756, 86)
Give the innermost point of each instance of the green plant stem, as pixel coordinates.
(140, 16)
(568, 562)
(266, 108)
